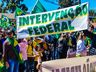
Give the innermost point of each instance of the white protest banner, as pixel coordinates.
(69, 19)
(81, 64)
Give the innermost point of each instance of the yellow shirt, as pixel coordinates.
(38, 55)
(30, 51)
(70, 42)
(37, 41)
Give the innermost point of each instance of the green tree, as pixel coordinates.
(10, 6)
(65, 3)
(68, 3)
(92, 13)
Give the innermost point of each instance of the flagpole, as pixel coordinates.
(35, 5)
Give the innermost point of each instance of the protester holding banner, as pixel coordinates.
(81, 48)
(71, 41)
(63, 46)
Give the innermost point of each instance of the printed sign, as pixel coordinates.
(81, 64)
(69, 19)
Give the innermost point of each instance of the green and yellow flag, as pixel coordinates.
(5, 21)
(38, 8)
(19, 12)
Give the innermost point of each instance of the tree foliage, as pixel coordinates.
(65, 3)
(10, 6)
(68, 3)
(92, 12)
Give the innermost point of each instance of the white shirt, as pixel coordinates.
(80, 46)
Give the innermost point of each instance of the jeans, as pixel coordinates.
(92, 51)
(13, 66)
(0, 56)
(23, 66)
(35, 64)
(30, 64)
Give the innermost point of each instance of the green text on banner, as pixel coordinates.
(69, 19)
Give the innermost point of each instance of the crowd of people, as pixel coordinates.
(27, 54)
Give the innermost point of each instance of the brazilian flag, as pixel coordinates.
(4, 22)
(38, 8)
(19, 12)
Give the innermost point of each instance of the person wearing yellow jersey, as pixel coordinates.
(31, 56)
